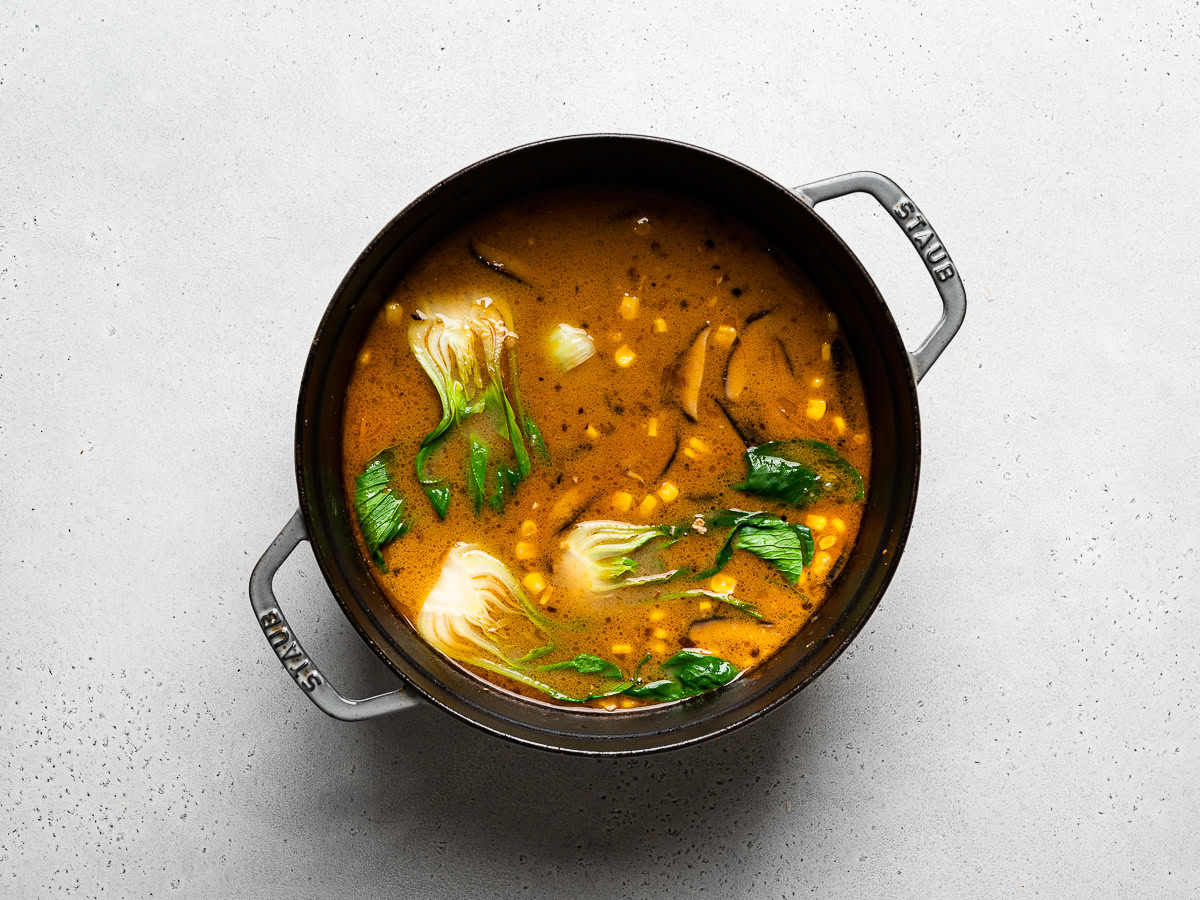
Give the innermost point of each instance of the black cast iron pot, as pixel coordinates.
(890, 374)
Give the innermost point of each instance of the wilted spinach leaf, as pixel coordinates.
(587, 664)
(800, 472)
(382, 510)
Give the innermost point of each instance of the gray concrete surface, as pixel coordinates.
(181, 191)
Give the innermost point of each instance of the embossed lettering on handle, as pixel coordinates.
(930, 247)
(287, 647)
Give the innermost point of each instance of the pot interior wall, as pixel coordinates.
(794, 230)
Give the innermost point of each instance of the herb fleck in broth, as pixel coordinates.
(663, 490)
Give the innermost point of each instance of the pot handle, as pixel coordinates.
(933, 252)
(287, 646)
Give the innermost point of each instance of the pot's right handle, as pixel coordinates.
(933, 253)
(287, 646)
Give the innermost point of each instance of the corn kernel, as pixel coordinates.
(394, 314)
(860, 439)
(624, 356)
(528, 528)
(816, 409)
(705, 606)
(828, 541)
(698, 445)
(652, 427)
(839, 525)
(622, 501)
(364, 357)
(821, 563)
(690, 453)
(621, 649)
(659, 647)
(831, 321)
(818, 381)
(534, 583)
(628, 703)
(629, 306)
(546, 596)
(526, 550)
(660, 633)
(668, 492)
(592, 432)
(723, 584)
(724, 335)
(839, 424)
(657, 615)
(825, 351)
(608, 706)
(660, 326)
(648, 504)
(816, 523)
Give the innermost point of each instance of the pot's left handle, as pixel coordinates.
(287, 646)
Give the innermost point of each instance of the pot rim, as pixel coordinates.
(596, 745)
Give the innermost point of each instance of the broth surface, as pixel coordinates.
(644, 274)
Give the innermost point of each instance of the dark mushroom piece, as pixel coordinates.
(500, 261)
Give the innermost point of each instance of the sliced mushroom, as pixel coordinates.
(500, 261)
(737, 374)
(686, 375)
(568, 507)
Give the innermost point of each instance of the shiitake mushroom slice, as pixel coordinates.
(500, 261)
(685, 375)
(737, 375)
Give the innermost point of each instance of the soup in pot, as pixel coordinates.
(606, 448)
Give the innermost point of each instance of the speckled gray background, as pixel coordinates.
(179, 195)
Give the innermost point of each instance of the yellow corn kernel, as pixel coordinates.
(652, 427)
(660, 633)
(818, 381)
(828, 541)
(821, 563)
(668, 492)
(657, 615)
(364, 357)
(608, 706)
(621, 649)
(831, 321)
(628, 703)
(723, 584)
(592, 432)
(528, 528)
(840, 424)
(624, 356)
(534, 583)
(816, 523)
(394, 314)
(660, 326)
(546, 596)
(659, 647)
(860, 439)
(648, 504)
(839, 525)
(690, 453)
(816, 409)
(705, 606)
(526, 550)
(698, 445)
(630, 305)
(622, 501)
(724, 335)
(825, 351)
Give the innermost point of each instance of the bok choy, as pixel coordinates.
(468, 350)
(600, 551)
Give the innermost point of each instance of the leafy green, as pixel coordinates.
(468, 350)
(690, 672)
(382, 510)
(587, 664)
(539, 652)
(749, 608)
(787, 545)
(800, 472)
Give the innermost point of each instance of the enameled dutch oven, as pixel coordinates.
(890, 374)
